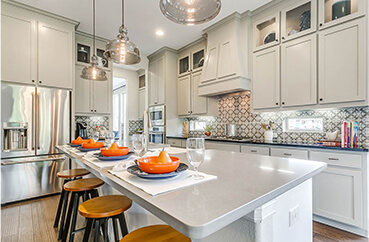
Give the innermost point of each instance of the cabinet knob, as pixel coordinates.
(282, 37)
(283, 103)
(40, 82)
(276, 40)
(92, 111)
(276, 103)
(33, 80)
(321, 99)
(95, 111)
(320, 24)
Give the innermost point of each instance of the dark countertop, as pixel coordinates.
(279, 143)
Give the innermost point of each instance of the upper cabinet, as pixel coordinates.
(342, 63)
(191, 62)
(332, 12)
(299, 19)
(36, 48)
(266, 32)
(157, 81)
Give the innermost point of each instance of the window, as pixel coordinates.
(119, 111)
(300, 124)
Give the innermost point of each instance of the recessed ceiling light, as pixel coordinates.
(159, 33)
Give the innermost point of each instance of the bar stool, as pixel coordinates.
(68, 175)
(99, 210)
(85, 188)
(157, 233)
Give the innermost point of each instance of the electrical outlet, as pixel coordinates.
(294, 215)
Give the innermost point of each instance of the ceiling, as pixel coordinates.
(143, 18)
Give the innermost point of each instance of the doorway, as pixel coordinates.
(119, 110)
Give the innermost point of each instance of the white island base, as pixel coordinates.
(268, 223)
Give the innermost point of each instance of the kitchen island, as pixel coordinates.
(254, 198)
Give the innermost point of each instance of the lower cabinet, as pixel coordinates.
(174, 142)
(252, 149)
(215, 145)
(289, 153)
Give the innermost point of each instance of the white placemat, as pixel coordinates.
(105, 164)
(157, 187)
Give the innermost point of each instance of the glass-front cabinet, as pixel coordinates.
(191, 62)
(266, 32)
(338, 11)
(299, 19)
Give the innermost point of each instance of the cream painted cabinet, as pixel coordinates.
(141, 104)
(210, 70)
(215, 145)
(157, 82)
(55, 56)
(18, 49)
(342, 63)
(289, 153)
(266, 79)
(199, 104)
(337, 195)
(184, 95)
(92, 97)
(253, 149)
(299, 72)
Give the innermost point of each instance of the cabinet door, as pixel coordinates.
(184, 65)
(210, 70)
(299, 72)
(18, 50)
(342, 63)
(55, 61)
(102, 99)
(82, 93)
(337, 195)
(199, 104)
(265, 83)
(141, 105)
(153, 86)
(174, 142)
(266, 32)
(184, 95)
(226, 60)
(161, 81)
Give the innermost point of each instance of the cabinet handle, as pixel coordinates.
(287, 154)
(254, 151)
(333, 159)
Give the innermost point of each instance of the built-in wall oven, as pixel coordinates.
(157, 134)
(157, 115)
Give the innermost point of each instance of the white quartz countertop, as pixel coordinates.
(244, 183)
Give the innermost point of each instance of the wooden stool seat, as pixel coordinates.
(155, 233)
(105, 206)
(83, 184)
(73, 173)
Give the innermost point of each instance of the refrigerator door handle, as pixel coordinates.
(6, 163)
(38, 120)
(33, 121)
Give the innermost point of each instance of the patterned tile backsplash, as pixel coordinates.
(235, 109)
(92, 122)
(134, 125)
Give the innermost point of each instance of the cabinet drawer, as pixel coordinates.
(174, 142)
(184, 143)
(289, 153)
(255, 150)
(337, 159)
(222, 146)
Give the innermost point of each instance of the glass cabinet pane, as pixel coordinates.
(266, 32)
(184, 65)
(103, 62)
(198, 59)
(335, 9)
(83, 53)
(298, 19)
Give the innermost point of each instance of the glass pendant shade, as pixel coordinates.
(122, 51)
(93, 72)
(190, 12)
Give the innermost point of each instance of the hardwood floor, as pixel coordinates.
(33, 221)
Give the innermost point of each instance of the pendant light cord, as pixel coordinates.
(93, 20)
(122, 12)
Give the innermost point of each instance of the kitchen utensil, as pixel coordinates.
(268, 135)
(135, 170)
(121, 151)
(152, 166)
(138, 143)
(264, 126)
(331, 136)
(96, 145)
(230, 130)
(196, 155)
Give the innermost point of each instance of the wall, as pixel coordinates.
(131, 104)
(235, 109)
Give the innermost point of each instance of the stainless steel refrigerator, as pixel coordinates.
(34, 120)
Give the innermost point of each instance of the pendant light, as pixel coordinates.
(93, 72)
(120, 50)
(190, 12)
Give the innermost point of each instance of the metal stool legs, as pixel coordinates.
(58, 212)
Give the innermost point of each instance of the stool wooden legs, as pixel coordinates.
(103, 223)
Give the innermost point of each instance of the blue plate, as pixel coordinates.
(135, 170)
(74, 145)
(87, 150)
(112, 158)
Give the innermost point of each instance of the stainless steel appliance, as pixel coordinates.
(230, 130)
(157, 115)
(81, 130)
(34, 121)
(157, 134)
